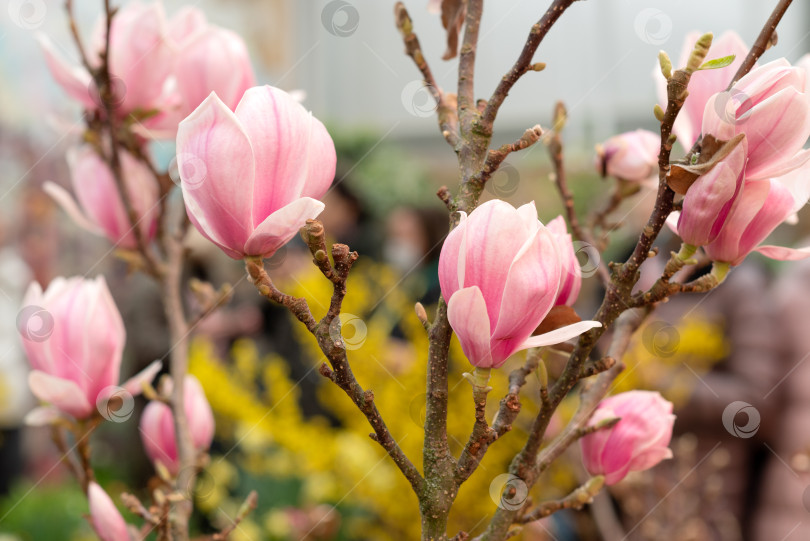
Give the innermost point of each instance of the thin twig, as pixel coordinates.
(446, 107)
(496, 157)
(555, 149)
(327, 333)
(524, 62)
(581, 496)
(502, 423)
(762, 42)
(466, 59)
(248, 506)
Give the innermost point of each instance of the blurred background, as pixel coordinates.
(299, 442)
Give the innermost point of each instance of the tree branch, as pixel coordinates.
(327, 333)
(763, 41)
(448, 117)
(555, 150)
(524, 61)
(466, 59)
(576, 500)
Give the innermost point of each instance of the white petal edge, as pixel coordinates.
(63, 198)
(560, 335)
(134, 385)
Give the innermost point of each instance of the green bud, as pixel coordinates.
(699, 53)
(666, 64)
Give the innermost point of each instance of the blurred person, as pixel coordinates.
(412, 245)
(346, 220)
(784, 501)
(743, 311)
(15, 399)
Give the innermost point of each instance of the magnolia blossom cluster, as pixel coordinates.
(756, 131)
(638, 441)
(763, 180)
(74, 338)
(501, 272)
(161, 70)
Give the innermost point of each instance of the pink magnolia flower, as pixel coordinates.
(764, 204)
(631, 156)
(209, 59)
(703, 84)
(771, 107)
(157, 426)
(712, 198)
(251, 177)
(570, 270)
(73, 336)
(637, 442)
(184, 24)
(102, 209)
(499, 271)
(104, 515)
(141, 59)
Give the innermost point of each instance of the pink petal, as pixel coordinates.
(467, 314)
(104, 516)
(200, 416)
(213, 60)
(558, 336)
(295, 156)
(498, 233)
(134, 385)
(68, 204)
(786, 167)
(62, 393)
(103, 335)
(783, 253)
(281, 226)
(140, 54)
(73, 78)
(704, 83)
(215, 161)
(571, 272)
(776, 208)
(157, 435)
(528, 294)
(711, 199)
(452, 258)
(42, 416)
(185, 23)
(776, 129)
(650, 458)
(593, 445)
